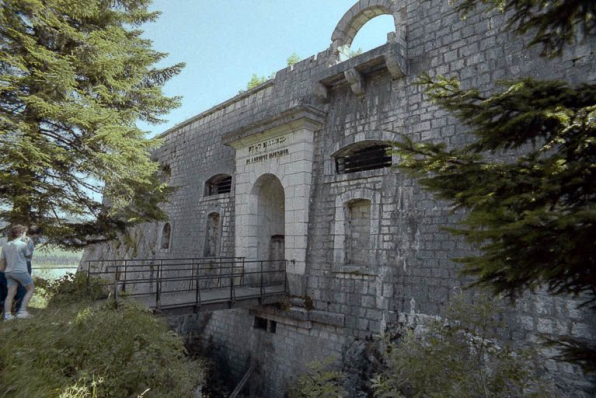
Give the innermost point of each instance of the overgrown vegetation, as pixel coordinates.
(78, 349)
(457, 357)
(72, 288)
(319, 382)
(454, 357)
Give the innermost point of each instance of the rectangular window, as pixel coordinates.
(260, 323)
(357, 230)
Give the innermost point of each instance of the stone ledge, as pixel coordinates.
(328, 318)
(359, 175)
(389, 56)
(300, 317)
(359, 271)
(215, 198)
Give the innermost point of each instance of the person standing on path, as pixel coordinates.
(14, 254)
(33, 235)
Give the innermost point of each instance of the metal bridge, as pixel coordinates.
(191, 285)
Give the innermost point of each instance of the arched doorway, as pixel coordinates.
(268, 220)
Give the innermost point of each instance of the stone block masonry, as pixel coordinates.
(368, 246)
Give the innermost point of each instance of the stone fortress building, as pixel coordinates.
(296, 168)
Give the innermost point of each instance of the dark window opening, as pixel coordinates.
(272, 326)
(260, 323)
(369, 158)
(219, 184)
(166, 171)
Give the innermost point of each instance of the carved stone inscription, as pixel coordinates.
(264, 148)
(266, 145)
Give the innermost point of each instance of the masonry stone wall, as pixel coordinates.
(409, 268)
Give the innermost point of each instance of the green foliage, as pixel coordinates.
(534, 216)
(255, 81)
(319, 382)
(81, 351)
(293, 59)
(72, 288)
(75, 77)
(354, 53)
(554, 24)
(458, 359)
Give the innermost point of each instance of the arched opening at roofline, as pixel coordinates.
(360, 14)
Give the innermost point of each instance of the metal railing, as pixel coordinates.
(210, 279)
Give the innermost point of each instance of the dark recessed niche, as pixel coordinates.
(272, 327)
(264, 324)
(260, 323)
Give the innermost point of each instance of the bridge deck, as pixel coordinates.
(190, 285)
(213, 299)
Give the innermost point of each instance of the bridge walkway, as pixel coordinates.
(191, 285)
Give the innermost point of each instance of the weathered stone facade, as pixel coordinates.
(287, 133)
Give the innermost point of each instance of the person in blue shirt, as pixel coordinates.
(33, 235)
(14, 255)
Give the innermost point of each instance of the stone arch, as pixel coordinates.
(357, 16)
(267, 215)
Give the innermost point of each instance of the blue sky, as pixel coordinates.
(225, 42)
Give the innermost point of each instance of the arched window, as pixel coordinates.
(166, 236)
(363, 156)
(211, 248)
(218, 184)
(357, 17)
(371, 35)
(357, 232)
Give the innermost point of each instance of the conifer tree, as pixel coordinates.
(531, 211)
(75, 78)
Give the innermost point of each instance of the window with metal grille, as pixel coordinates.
(367, 158)
(221, 183)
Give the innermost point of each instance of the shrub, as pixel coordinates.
(74, 288)
(458, 359)
(84, 350)
(319, 382)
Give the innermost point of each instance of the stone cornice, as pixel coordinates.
(306, 116)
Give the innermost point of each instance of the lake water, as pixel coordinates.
(53, 273)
